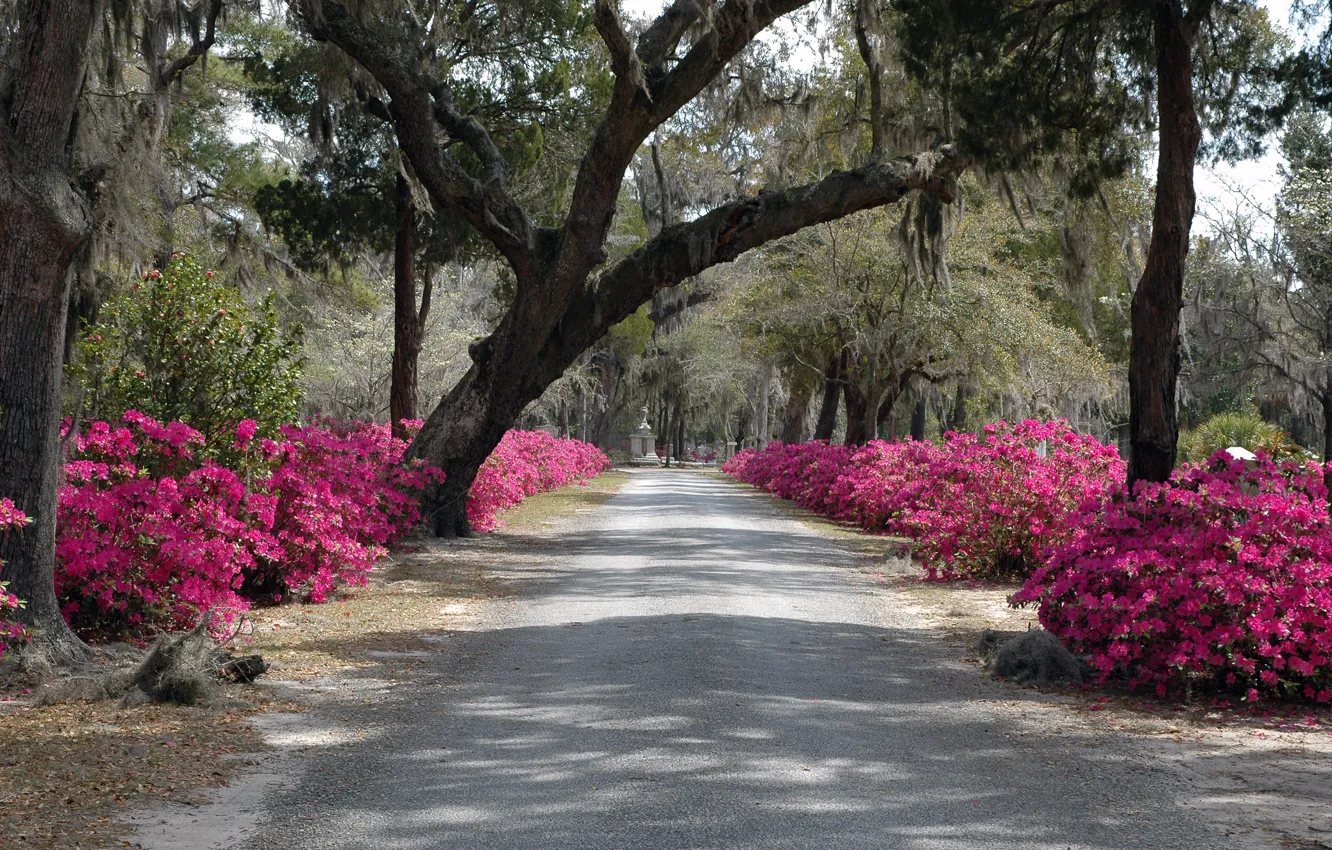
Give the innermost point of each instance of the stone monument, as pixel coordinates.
(643, 445)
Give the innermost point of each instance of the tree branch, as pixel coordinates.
(684, 250)
(624, 61)
(629, 120)
(659, 40)
(168, 75)
(419, 105)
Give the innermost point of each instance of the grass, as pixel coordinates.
(538, 512)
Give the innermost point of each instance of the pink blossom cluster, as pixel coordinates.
(1223, 576)
(976, 506)
(150, 536)
(12, 633)
(342, 494)
(526, 463)
(147, 535)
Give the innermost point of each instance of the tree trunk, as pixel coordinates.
(1327, 442)
(797, 408)
(1154, 347)
(958, 420)
(598, 430)
(407, 330)
(679, 434)
(859, 420)
(918, 420)
(832, 396)
(44, 223)
(564, 420)
(763, 415)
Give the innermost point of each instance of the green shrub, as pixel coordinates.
(182, 346)
(1225, 430)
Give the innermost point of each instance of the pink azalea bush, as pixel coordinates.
(12, 633)
(341, 494)
(148, 535)
(526, 463)
(1223, 575)
(151, 535)
(977, 507)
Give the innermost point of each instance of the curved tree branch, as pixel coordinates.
(722, 235)
(420, 104)
(169, 74)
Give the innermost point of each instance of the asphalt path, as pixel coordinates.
(699, 671)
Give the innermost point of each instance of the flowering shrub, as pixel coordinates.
(979, 508)
(151, 535)
(1224, 573)
(341, 495)
(526, 463)
(12, 633)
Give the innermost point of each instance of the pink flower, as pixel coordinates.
(245, 432)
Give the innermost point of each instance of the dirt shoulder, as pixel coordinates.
(1265, 775)
(94, 775)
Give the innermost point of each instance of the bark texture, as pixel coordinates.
(44, 223)
(1154, 348)
(797, 408)
(408, 320)
(832, 396)
(559, 309)
(860, 421)
(918, 420)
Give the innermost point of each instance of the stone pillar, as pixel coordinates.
(642, 443)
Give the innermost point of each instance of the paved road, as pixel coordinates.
(706, 673)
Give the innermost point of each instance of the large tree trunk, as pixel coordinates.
(407, 329)
(1154, 347)
(44, 223)
(832, 396)
(918, 419)
(860, 420)
(797, 409)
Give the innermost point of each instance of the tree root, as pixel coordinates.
(185, 669)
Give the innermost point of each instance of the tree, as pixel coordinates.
(51, 174)
(1304, 214)
(561, 305)
(45, 221)
(843, 289)
(1069, 82)
(182, 346)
